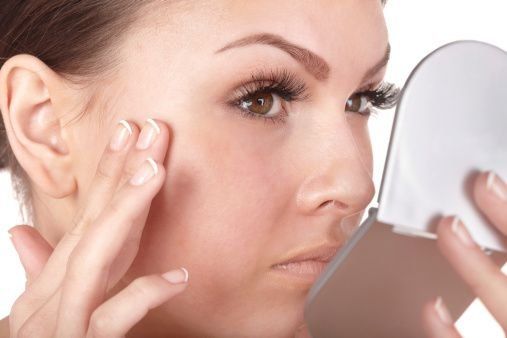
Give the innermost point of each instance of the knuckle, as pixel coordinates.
(129, 170)
(139, 288)
(100, 324)
(115, 207)
(80, 264)
(103, 173)
(79, 224)
(132, 243)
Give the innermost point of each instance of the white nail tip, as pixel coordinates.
(442, 312)
(126, 125)
(153, 165)
(490, 180)
(186, 273)
(154, 125)
(455, 224)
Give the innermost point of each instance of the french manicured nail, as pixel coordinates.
(120, 136)
(177, 276)
(443, 312)
(147, 170)
(496, 186)
(11, 237)
(459, 230)
(148, 134)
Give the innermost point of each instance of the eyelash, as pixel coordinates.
(286, 85)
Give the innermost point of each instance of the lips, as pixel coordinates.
(322, 254)
(308, 264)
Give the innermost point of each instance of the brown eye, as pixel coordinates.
(357, 104)
(262, 103)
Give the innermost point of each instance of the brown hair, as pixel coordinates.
(73, 37)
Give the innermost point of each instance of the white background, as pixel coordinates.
(416, 27)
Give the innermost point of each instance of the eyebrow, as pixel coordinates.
(313, 63)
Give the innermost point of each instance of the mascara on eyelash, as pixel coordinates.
(385, 97)
(286, 85)
(282, 82)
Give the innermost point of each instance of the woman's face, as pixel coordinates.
(243, 194)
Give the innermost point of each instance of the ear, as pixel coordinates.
(33, 103)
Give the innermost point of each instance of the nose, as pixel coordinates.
(338, 167)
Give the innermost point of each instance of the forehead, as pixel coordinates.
(351, 32)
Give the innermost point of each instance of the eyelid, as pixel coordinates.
(282, 81)
(374, 81)
(372, 86)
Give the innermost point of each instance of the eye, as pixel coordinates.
(386, 96)
(266, 95)
(358, 104)
(262, 103)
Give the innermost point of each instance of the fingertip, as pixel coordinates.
(160, 126)
(123, 137)
(480, 186)
(33, 250)
(444, 228)
(489, 190)
(13, 231)
(177, 276)
(437, 320)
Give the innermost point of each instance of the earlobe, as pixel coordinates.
(32, 104)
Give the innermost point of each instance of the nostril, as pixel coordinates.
(338, 204)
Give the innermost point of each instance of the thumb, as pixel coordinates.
(33, 250)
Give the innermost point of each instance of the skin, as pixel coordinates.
(232, 195)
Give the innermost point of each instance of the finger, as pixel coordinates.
(490, 194)
(103, 186)
(33, 250)
(152, 142)
(474, 266)
(38, 323)
(48, 285)
(437, 320)
(118, 315)
(113, 170)
(87, 277)
(108, 174)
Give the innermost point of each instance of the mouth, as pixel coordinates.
(305, 267)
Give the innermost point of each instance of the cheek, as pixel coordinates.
(218, 207)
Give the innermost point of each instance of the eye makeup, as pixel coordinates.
(385, 96)
(283, 86)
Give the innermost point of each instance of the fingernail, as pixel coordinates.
(443, 312)
(120, 136)
(459, 230)
(496, 186)
(15, 244)
(148, 134)
(177, 276)
(12, 239)
(146, 171)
